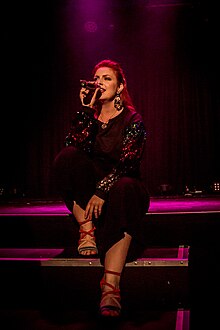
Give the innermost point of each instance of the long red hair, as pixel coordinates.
(116, 67)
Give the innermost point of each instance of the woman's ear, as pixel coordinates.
(120, 88)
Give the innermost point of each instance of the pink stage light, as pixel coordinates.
(90, 26)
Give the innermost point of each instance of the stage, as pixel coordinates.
(161, 204)
(170, 284)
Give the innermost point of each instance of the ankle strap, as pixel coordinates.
(111, 272)
(83, 222)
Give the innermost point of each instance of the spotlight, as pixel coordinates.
(91, 26)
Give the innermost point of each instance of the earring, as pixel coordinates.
(117, 102)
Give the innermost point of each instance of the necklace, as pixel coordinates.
(105, 123)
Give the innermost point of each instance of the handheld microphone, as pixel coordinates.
(91, 86)
(88, 84)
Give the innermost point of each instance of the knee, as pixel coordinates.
(64, 157)
(65, 164)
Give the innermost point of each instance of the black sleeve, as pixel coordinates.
(83, 130)
(129, 163)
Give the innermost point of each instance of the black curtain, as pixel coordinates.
(169, 52)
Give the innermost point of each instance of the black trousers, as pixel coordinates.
(125, 206)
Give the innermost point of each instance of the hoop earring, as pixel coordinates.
(117, 102)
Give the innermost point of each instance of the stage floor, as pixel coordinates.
(168, 204)
(55, 209)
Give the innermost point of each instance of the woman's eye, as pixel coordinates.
(107, 78)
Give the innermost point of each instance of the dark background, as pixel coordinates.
(170, 54)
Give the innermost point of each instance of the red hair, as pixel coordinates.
(116, 67)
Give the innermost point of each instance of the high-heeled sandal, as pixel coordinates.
(110, 300)
(87, 239)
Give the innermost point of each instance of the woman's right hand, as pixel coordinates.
(84, 92)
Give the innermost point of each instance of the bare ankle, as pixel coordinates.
(113, 280)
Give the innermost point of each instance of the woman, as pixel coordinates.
(98, 174)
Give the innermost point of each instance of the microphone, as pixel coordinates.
(91, 86)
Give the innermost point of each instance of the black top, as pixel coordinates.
(116, 149)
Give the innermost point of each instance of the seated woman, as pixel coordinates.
(98, 176)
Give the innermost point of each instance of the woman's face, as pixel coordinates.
(107, 80)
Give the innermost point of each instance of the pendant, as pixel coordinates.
(104, 125)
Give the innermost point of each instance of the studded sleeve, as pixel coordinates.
(83, 130)
(129, 163)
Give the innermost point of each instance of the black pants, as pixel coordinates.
(123, 211)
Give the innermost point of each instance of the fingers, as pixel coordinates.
(94, 207)
(89, 211)
(97, 211)
(84, 92)
(94, 97)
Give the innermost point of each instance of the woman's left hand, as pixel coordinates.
(94, 206)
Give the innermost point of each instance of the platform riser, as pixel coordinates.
(33, 286)
(61, 231)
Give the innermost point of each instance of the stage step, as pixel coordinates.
(33, 275)
(59, 230)
(40, 267)
(170, 222)
(174, 256)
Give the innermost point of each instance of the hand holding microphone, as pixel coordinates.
(89, 93)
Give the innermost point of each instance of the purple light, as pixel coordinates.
(90, 26)
(29, 254)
